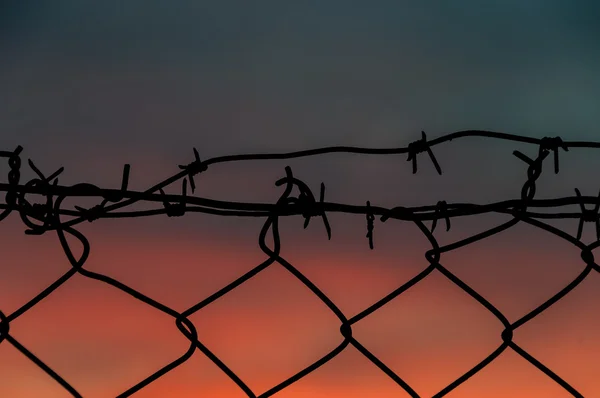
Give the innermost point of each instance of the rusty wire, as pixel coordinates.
(41, 218)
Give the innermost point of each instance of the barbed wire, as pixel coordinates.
(40, 218)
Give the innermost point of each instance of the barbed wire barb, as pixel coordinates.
(441, 208)
(176, 209)
(194, 168)
(419, 146)
(588, 215)
(370, 226)
(554, 144)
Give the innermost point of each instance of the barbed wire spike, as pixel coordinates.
(119, 196)
(16, 153)
(9, 154)
(554, 144)
(370, 219)
(524, 157)
(307, 203)
(419, 146)
(41, 175)
(194, 168)
(588, 215)
(440, 211)
(303, 201)
(176, 209)
(288, 179)
(322, 210)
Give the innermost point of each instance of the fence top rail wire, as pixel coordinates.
(40, 218)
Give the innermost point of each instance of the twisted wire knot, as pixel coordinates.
(305, 200)
(419, 146)
(533, 173)
(193, 168)
(14, 175)
(93, 213)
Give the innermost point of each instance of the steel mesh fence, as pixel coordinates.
(40, 218)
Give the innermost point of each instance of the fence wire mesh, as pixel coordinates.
(41, 218)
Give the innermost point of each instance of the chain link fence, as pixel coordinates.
(50, 216)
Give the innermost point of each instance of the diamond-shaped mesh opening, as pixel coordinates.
(351, 274)
(23, 378)
(564, 336)
(419, 333)
(97, 338)
(198, 376)
(268, 329)
(170, 267)
(509, 375)
(24, 272)
(348, 375)
(514, 270)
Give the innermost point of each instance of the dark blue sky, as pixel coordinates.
(94, 84)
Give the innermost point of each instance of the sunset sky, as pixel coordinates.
(92, 85)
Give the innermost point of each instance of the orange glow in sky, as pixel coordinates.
(103, 341)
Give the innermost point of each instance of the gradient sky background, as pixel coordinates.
(91, 85)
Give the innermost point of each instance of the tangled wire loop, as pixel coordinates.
(40, 218)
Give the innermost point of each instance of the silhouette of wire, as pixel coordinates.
(48, 216)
